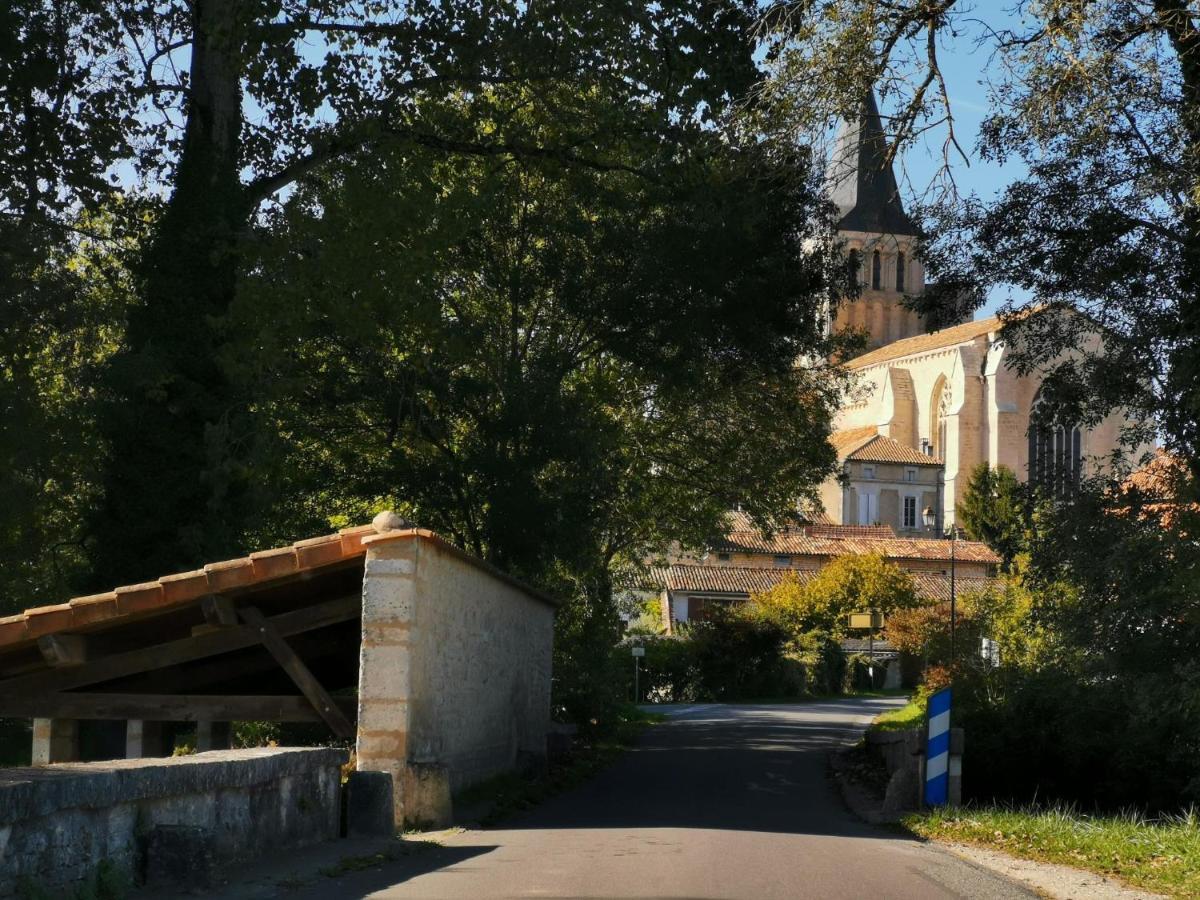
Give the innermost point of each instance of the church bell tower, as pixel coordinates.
(876, 232)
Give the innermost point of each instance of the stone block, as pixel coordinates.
(426, 796)
(179, 854)
(370, 809)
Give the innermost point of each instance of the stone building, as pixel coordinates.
(949, 395)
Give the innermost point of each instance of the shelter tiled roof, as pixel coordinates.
(742, 581)
(923, 343)
(170, 592)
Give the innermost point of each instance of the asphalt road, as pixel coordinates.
(719, 802)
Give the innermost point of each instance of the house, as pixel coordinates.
(747, 562)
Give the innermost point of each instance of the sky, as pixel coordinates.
(965, 68)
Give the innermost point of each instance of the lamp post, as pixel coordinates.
(930, 520)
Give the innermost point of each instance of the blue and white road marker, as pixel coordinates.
(937, 749)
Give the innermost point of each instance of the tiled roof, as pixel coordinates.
(186, 587)
(886, 450)
(848, 440)
(845, 531)
(746, 580)
(797, 541)
(740, 521)
(173, 591)
(922, 343)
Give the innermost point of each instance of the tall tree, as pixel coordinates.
(563, 368)
(992, 510)
(222, 105)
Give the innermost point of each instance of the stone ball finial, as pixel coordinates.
(389, 521)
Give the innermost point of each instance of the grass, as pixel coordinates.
(911, 715)
(502, 796)
(1161, 855)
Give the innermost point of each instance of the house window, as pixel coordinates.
(900, 272)
(910, 512)
(868, 471)
(868, 509)
(722, 557)
(876, 270)
(782, 561)
(910, 474)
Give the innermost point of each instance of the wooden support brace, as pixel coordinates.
(324, 704)
(120, 665)
(219, 611)
(63, 649)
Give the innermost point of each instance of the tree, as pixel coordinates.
(853, 583)
(221, 106)
(555, 366)
(993, 511)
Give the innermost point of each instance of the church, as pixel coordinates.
(926, 407)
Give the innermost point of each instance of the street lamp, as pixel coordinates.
(930, 520)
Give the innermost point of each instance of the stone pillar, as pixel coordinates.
(55, 741)
(384, 686)
(144, 739)
(212, 736)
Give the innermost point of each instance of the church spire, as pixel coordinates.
(861, 182)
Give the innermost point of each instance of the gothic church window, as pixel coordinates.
(876, 271)
(1055, 454)
(900, 272)
(941, 416)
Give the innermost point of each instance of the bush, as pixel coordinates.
(859, 677)
(824, 663)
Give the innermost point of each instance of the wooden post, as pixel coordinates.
(55, 740)
(143, 739)
(212, 736)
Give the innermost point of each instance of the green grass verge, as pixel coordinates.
(911, 715)
(1160, 855)
(502, 796)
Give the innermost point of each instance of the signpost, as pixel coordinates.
(638, 653)
(937, 749)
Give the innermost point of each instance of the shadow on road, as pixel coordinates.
(728, 767)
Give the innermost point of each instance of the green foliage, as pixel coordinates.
(993, 510)
(909, 716)
(848, 584)
(1160, 855)
(824, 662)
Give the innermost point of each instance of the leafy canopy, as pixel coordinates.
(853, 583)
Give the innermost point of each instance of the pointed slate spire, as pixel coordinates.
(861, 182)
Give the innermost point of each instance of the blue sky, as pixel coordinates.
(965, 67)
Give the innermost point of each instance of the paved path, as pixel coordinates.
(720, 802)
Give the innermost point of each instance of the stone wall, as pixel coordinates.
(454, 675)
(188, 816)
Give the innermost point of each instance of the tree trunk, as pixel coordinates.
(172, 489)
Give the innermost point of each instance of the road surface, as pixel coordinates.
(721, 801)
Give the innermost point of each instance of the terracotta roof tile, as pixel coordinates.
(850, 439)
(742, 581)
(185, 587)
(923, 343)
(886, 450)
(800, 542)
(136, 598)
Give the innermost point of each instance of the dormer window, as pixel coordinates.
(876, 271)
(900, 272)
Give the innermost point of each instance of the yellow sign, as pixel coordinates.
(866, 620)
